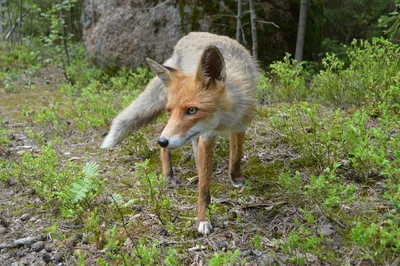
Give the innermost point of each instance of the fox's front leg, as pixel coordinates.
(235, 155)
(204, 161)
(167, 167)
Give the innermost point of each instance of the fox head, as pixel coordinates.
(192, 101)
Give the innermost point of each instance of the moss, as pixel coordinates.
(259, 170)
(209, 6)
(194, 19)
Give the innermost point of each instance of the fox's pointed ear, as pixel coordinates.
(211, 67)
(163, 72)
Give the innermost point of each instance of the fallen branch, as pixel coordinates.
(26, 241)
(260, 205)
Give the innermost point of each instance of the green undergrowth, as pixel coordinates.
(344, 126)
(70, 186)
(95, 97)
(364, 78)
(322, 160)
(28, 58)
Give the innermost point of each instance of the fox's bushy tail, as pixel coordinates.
(147, 106)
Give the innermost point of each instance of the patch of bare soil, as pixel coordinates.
(24, 217)
(23, 240)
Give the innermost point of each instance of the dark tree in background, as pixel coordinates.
(239, 22)
(301, 31)
(2, 17)
(349, 19)
(253, 19)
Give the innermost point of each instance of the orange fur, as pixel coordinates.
(185, 92)
(205, 151)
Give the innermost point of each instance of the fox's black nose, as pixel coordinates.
(163, 142)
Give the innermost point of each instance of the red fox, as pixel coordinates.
(207, 87)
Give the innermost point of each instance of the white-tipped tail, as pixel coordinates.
(150, 104)
(108, 142)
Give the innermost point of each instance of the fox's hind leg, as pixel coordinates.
(235, 154)
(167, 167)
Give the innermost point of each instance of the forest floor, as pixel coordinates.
(24, 214)
(322, 183)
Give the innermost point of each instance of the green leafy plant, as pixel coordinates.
(226, 258)
(153, 184)
(300, 242)
(288, 82)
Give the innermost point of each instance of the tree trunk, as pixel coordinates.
(20, 21)
(301, 32)
(9, 23)
(2, 17)
(239, 21)
(71, 18)
(253, 29)
(64, 47)
(63, 34)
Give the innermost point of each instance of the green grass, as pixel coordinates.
(324, 154)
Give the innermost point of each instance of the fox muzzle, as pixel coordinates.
(163, 142)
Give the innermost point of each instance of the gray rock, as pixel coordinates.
(24, 261)
(58, 257)
(3, 230)
(4, 222)
(38, 246)
(46, 257)
(327, 229)
(48, 248)
(124, 33)
(25, 217)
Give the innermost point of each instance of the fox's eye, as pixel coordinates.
(191, 111)
(168, 111)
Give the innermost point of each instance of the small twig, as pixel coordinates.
(122, 216)
(227, 9)
(123, 221)
(197, 248)
(165, 242)
(71, 226)
(330, 218)
(224, 15)
(243, 36)
(268, 22)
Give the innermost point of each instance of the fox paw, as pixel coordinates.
(238, 182)
(204, 228)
